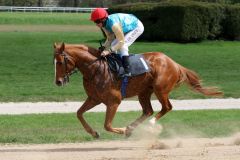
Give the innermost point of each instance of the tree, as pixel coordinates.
(40, 3)
(76, 3)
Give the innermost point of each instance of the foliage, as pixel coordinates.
(184, 21)
(91, 3)
(220, 1)
(18, 2)
(232, 23)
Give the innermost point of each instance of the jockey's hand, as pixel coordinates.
(100, 49)
(105, 53)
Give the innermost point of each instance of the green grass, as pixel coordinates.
(45, 18)
(59, 128)
(27, 71)
(27, 74)
(215, 61)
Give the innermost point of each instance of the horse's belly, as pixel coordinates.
(138, 85)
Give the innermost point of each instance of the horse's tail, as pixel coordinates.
(192, 79)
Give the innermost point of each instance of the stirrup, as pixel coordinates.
(129, 74)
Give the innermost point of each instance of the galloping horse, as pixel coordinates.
(100, 87)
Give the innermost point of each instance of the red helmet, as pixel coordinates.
(98, 13)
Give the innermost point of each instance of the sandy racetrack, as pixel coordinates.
(146, 146)
(173, 149)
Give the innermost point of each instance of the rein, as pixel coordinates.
(98, 68)
(68, 74)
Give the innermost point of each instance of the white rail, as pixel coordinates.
(44, 9)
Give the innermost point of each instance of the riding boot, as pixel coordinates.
(126, 66)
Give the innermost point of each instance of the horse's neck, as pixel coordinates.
(94, 51)
(89, 49)
(82, 58)
(85, 59)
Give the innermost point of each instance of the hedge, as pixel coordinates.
(184, 21)
(232, 23)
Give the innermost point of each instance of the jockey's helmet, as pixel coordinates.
(98, 13)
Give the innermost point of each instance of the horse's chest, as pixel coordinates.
(96, 88)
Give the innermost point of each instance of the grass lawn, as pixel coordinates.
(60, 128)
(36, 18)
(27, 74)
(27, 71)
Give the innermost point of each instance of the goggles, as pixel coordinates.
(98, 21)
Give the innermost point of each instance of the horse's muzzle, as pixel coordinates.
(60, 82)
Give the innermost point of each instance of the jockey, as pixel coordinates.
(121, 31)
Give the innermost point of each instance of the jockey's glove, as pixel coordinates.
(105, 53)
(101, 49)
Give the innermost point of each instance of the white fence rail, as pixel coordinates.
(44, 9)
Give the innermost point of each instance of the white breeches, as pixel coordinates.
(129, 38)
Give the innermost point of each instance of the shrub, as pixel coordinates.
(184, 21)
(232, 23)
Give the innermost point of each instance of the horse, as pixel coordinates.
(100, 86)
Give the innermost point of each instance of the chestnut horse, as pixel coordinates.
(101, 87)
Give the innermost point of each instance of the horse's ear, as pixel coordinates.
(55, 45)
(62, 46)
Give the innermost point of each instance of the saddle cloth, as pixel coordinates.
(138, 65)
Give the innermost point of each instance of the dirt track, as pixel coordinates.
(146, 146)
(126, 105)
(174, 149)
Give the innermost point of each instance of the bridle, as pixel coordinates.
(67, 73)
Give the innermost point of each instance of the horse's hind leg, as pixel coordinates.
(144, 99)
(166, 107)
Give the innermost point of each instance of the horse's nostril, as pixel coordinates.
(59, 83)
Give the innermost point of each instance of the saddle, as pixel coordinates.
(138, 65)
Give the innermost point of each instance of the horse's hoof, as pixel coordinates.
(128, 131)
(96, 135)
(128, 134)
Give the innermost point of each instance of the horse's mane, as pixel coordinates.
(89, 49)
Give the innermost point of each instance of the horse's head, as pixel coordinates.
(63, 63)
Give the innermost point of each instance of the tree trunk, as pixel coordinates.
(76, 3)
(40, 3)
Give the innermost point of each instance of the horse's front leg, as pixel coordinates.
(87, 105)
(110, 113)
